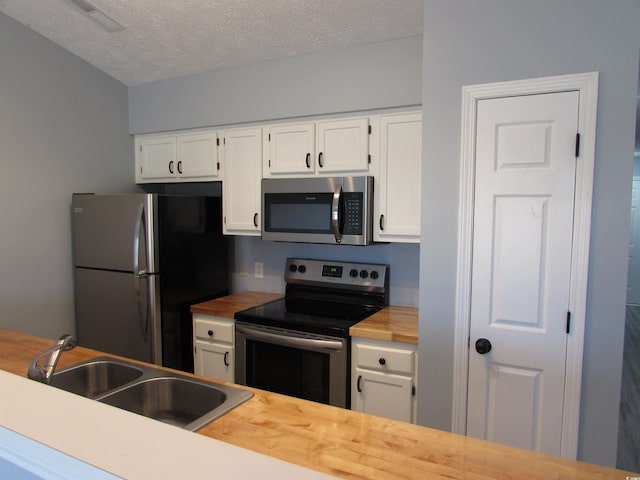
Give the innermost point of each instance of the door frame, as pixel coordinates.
(587, 86)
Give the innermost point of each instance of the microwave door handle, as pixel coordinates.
(335, 214)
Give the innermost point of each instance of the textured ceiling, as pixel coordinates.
(169, 38)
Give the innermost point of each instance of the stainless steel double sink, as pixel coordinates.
(172, 398)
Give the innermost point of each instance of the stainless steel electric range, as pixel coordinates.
(300, 345)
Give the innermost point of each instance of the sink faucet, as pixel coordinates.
(43, 373)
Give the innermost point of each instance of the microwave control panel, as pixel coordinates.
(352, 213)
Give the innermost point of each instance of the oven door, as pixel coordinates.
(303, 365)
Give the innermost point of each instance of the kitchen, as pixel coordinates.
(48, 120)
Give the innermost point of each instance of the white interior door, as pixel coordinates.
(521, 268)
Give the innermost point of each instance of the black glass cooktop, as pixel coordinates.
(312, 316)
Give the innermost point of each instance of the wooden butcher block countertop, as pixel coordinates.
(227, 306)
(344, 443)
(395, 324)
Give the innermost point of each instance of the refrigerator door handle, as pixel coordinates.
(137, 273)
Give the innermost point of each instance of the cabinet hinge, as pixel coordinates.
(413, 390)
(369, 129)
(218, 165)
(269, 137)
(269, 163)
(225, 219)
(141, 148)
(369, 157)
(577, 145)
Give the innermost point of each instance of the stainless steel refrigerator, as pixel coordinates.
(140, 261)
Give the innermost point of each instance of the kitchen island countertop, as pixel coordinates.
(341, 442)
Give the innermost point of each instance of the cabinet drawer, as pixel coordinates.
(214, 330)
(384, 359)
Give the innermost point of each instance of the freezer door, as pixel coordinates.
(113, 317)
(114, 232)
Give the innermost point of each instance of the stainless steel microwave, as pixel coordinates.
(336, 210)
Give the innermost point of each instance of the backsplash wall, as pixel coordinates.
(403, 260)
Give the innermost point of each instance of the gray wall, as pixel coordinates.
(380, 75)
(63, 128)
(470, 42)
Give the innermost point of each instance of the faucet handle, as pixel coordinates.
(67, 341)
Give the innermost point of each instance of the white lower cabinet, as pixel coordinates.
(214, 341)
(383, 379)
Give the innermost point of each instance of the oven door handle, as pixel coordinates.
(289, 340)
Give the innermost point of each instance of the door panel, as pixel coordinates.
(523, 223)
(104, 228)
(111, 316)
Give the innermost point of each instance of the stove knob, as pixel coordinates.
(353, 273)
(293, 268)
(364, 274)
(374, 275)
(302, 269)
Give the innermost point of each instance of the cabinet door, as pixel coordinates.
(291, 149)
(197, 156)
(382, 394)
(156, 158)
(214, 361)
(343, 146)
(242, 176)
(398, 192)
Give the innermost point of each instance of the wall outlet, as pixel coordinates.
(259, 270)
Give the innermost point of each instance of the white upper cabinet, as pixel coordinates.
(155, 158)
(317, 148)
(198, 155)
(343, 146)
(241, 186)
(177, 157)
(290, 149)
(397, 206)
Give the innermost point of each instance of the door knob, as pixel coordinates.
(483, 346)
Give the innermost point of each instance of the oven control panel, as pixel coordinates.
(337, 273)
